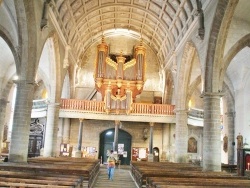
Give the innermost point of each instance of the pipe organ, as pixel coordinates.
(119, 78)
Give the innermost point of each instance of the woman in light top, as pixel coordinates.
(111, 165)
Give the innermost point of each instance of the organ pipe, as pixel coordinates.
(102, 50)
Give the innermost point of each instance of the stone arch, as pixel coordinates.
(168, 89)
(66, 86)
(27, 32)
(183, 76)
(236, 48)
(217, 40)
(52, 79)
(7, 38)
(192, 88)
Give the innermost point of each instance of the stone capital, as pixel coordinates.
(212, 94)
(51, 104)
(151, 124)
(181, 111)
(24, 82)
(117, 122)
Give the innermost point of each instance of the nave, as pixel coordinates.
(65, 172)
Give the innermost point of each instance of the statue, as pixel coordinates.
(239, 141)
(225, 143)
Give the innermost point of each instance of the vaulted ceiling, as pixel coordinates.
(160, 23)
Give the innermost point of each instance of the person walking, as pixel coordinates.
(111, 165)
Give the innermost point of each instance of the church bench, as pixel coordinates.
(144, 170)
(156, 182)
(41, 176)
(39, 182)
(87, 170)
(229, 168)
(62, 159)
(26, 185)
(141, 170)
(93, 165)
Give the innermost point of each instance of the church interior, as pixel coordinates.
(157, 81)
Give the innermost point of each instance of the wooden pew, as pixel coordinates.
(162, 182)
(25, 185)
(141, 170)
(90, 165)
(10, 176)
(67, 172)
(148, 174)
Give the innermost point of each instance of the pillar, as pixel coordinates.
(79, 144)
(21, 122)
(150, 148)
(151, 136)
(231, 136)
(66, 130)
(211, 133)
(115, 144)
(181, 136)
(51, 132)
(3, 104)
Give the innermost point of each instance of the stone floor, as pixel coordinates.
(122, 178)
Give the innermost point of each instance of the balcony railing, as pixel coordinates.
(99, 107)
(144, 108)
(85, 105)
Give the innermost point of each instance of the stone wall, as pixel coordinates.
(93, 128)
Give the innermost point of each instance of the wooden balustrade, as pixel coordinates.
(142, 108)
(76, 104)
(99, 106)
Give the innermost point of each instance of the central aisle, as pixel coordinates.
(122, 178)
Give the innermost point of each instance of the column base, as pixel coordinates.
(78, 154)
(150, 158)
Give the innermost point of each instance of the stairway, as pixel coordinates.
(122, 178)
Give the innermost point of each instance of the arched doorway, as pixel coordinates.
(156, 154)
(106, 143)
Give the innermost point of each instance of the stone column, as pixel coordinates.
(79, 145)
(115, 144)
(231, 135)
(151, 136)
(181, 136)
(150, 147)
(3, 104)
(21, 122)
(211, 133)
(60, 132)
(51, 132)
(166, 141)
(66, 130)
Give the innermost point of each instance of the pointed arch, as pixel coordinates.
(184, 75)
(169, 87)
(236, 48)
(66, 86)
(217, 40)
(50, 68)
